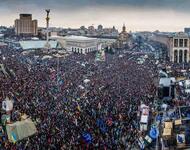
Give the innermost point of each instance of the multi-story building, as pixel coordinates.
(178, 46)
(25, 25)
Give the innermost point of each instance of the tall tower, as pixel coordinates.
(47, 28)
(124, 28)
(26, 26)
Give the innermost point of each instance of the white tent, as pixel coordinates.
(86, 81)
(166, 82)
(47, 57)
(81, 87)
(143, 106)
(187, 84)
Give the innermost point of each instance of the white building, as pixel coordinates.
(77, 44)
(180, 51)
(178, 45)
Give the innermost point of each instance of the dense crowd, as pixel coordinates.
(70, 113)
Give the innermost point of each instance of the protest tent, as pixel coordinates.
(20, 130)
(166, 82)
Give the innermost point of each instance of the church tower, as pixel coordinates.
(124, 28)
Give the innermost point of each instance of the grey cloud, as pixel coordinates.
(181, 5)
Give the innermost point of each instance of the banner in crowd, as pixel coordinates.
(154, 133)
(180, 138)
(87, 137)
(7, 105)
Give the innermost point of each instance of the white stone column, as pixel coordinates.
(187, 55)
(173, 56)
(178, 43)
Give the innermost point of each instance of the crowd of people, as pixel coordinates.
(101, 113)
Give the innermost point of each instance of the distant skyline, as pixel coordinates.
(138, 15)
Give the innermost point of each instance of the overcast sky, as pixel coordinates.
(138, 15)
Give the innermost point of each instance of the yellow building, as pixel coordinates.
(123, 38)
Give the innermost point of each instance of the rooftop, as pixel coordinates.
(37, 44)
(73, 37)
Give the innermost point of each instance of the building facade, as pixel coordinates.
(178, 46)
(179, 52)
(26, 26)
(77, 44)
(123, 39)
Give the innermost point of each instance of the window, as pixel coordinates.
(185, 42)
(180, 56)
(175, 56)
(185, 56)
(180, 42)
(175, 42)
